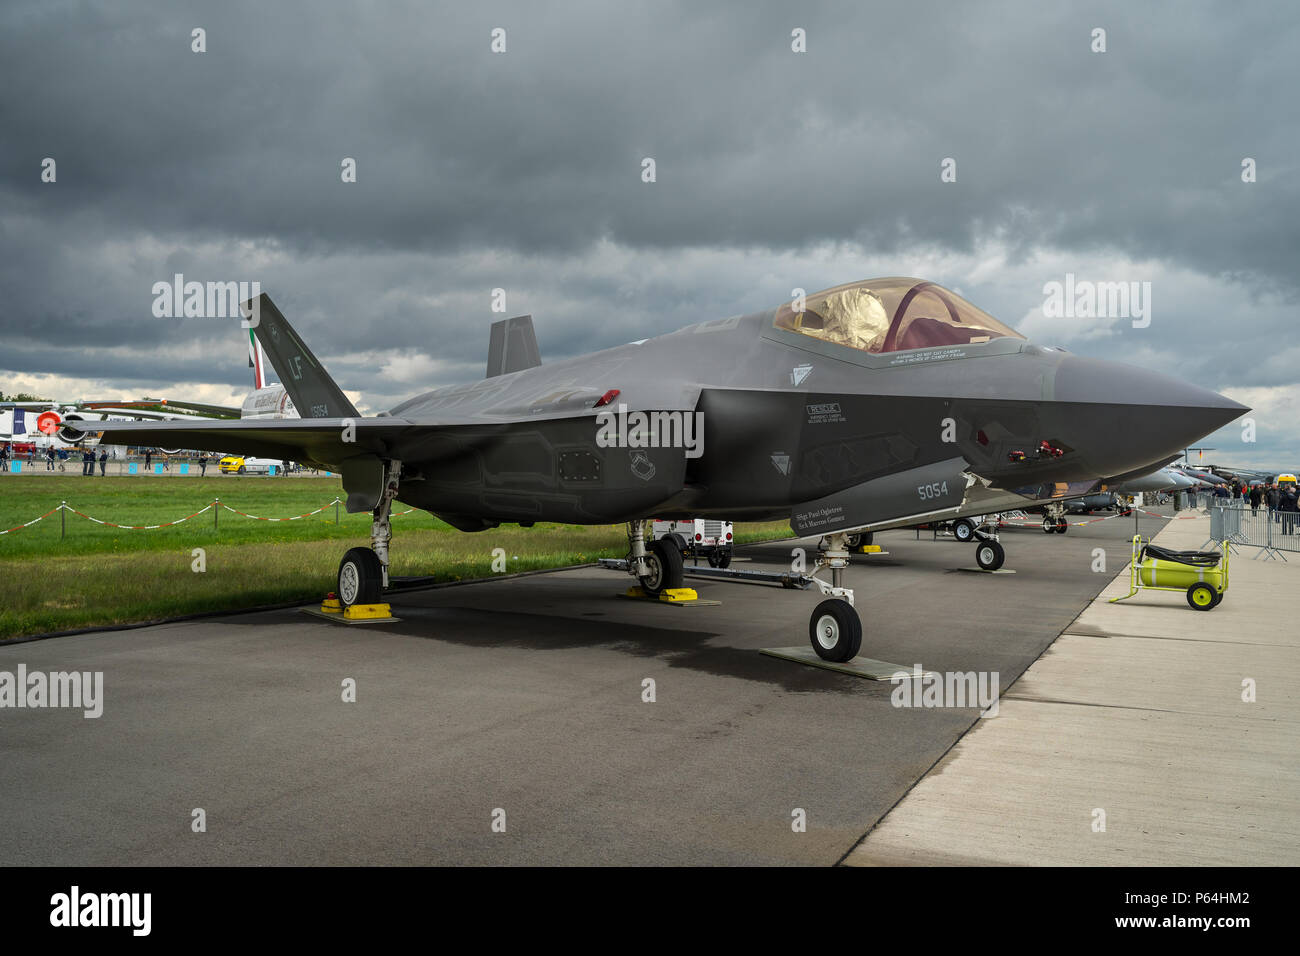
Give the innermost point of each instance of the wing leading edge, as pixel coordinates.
(326, 441)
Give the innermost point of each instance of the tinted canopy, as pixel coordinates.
(892, 315)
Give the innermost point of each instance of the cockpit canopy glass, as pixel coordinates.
(892, 315)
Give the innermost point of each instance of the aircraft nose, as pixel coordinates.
(1119, 417)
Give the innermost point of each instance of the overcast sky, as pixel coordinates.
(522, 170)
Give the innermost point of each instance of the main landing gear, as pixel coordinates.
(659, 567)
(1054, 520)
(834, 630)
(363, 572)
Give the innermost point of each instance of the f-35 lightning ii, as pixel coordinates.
(871, 405)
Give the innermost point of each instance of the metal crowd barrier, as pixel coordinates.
(1239, 524)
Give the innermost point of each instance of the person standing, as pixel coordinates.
(87, 462)
(1289, 505)
(49, 458)
(4, 458)
(203, 465)
(148, 460)
(103, 462)
(1255, 495)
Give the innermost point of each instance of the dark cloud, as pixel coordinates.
(522, 170)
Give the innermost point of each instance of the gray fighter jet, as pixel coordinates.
(871, 405)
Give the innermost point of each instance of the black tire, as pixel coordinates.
(724, 558)
(1218, 599)
(664, 559)
(835, 631)
(963, 529)
(1062, 526)
(242, 469)
(360, 578)
(1200, 597)
(989, 555)
(852, 541)
(715, 558)
(1049, 526)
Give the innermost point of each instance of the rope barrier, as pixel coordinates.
(133, 527)
(293, 518)
(33, 521)
(169, 524)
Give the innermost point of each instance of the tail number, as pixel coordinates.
(937, 489)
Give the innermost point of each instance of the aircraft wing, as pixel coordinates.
(159, 409)
(322, 440)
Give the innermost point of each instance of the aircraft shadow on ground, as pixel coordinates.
(476, 627)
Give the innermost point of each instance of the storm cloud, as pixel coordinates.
(522, 170)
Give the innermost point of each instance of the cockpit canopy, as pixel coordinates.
(892, 315)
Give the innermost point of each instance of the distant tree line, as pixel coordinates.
(21, 397)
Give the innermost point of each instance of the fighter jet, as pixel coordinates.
(870, 405)
(1162, 479)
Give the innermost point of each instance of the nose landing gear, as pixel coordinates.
(834, 630)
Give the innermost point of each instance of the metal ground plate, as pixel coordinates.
(867, 667)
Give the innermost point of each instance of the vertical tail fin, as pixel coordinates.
(314, 393)
(512, 346)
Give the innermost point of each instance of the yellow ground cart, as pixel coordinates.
(1201, 575)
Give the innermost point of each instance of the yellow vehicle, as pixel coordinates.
(243, 465)
(1285, 479)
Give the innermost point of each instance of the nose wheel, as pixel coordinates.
(835, 631)
(989, 555)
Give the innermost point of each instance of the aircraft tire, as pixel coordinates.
(360, 578)
(1063, 526)
(989, 555)
(664, 559)
(963, 530)
(835, 631)
(1048, 526)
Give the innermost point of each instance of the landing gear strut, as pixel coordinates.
(834, 630)
(1054, 520)
(363, 572)
(658, 568)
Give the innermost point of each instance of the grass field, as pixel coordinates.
(67, 572)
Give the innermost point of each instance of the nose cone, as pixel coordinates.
(1118, 417)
